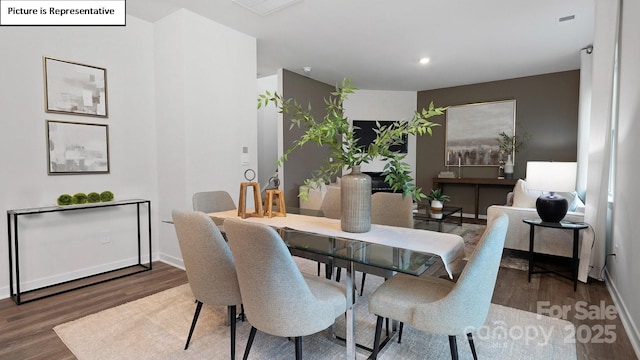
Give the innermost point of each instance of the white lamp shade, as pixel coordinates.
(551, 176)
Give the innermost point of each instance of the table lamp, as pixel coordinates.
(551, 177)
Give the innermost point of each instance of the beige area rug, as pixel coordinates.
(156, 327)
(471, 234)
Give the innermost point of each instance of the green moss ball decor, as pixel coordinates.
(106, 196)
(65, 199)
(93, 197)
(80, 198)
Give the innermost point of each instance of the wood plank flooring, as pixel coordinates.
(26, 331)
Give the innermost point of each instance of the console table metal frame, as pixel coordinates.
(575, 261)
(13, 241)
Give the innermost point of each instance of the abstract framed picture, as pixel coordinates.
(77, 148)
(473, 131)
(72, 88)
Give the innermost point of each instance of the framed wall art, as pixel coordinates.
(72, 88)
(77, 148)
(473, 131)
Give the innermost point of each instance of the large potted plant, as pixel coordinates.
(335, 130)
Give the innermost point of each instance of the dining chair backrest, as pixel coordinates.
(212, 201)
(469, 300)
(330, 206)
(207, 259)
(392, 209)
(277, 299)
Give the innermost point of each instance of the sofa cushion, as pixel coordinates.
(573, 200)
(523, 197)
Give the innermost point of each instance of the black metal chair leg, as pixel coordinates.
(400, 332)
(193, 322)
(454, 347)
(243, 316)
(338, 272)
(298, 341)
(318, 268)
(232, 320)
(252, 335)
(364, 276)
(473, 347)
(376, 339)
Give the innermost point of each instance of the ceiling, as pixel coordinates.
(378, 43)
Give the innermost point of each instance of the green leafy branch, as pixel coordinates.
(336, 132)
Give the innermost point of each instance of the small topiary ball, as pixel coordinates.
(65, 199)
(80, 198)
(106, 196)
(93, 197)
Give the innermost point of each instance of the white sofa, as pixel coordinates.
(521, 205)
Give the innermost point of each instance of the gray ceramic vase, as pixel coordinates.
(355, 199)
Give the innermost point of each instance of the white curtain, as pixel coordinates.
(584, 119)
(599, 147)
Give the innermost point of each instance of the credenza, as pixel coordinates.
(477, 183)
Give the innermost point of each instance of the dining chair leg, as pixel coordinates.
(453, 346)
(232, 321)
(298, 341)
(193, 322)
(400, 332)
(473, 347)
(252, 335)
(376, 339)
(364, 276)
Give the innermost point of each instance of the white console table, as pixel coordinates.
(14, 259)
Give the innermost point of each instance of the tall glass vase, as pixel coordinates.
(355, 195)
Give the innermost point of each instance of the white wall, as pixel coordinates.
(267, 131)
(201, 76)
(623, 269)
(384, 105)
(56, 245)
(206, 96)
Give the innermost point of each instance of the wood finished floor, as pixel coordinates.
(26, 331)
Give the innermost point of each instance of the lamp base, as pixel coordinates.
(552, 208)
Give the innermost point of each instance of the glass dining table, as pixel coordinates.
(408, 251)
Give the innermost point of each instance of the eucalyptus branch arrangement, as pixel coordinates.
(512, 144)
(335, 130)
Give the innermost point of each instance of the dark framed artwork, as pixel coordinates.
(77, 148)
(473, 131)
(73, 88)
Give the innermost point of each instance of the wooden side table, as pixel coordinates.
(576, 227)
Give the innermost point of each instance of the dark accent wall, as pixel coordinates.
(546, 108)
(303, 161)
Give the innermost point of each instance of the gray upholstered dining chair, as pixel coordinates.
(210, 267)
(440, 306)
(391, 209)
(386, 209)
(212, 201)
(278, 299)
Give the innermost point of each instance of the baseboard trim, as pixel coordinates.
(629, 326)
(172, 260)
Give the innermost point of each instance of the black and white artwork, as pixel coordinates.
(77, 148)
(473, 131)
(77, 89)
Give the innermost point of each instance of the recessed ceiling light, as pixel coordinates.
(424, 60)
